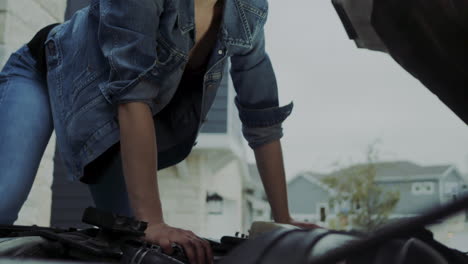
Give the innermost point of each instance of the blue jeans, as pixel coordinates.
(26, 126)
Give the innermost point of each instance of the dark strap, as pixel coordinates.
(36, 47)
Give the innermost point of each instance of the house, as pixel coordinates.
(420, 187)
(308, 198)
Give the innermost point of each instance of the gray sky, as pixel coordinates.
(346, 98)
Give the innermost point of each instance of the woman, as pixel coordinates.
(126, 85)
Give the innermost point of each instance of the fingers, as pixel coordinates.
(306, 225)
(190, 251)
(166, 246)
(207, 250)
(198, 251)
(311, 226)
(201, 256)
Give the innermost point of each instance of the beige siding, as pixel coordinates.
(19, 21)
(183, 196)
(183, 193)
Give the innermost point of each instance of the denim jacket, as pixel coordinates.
(117, 51)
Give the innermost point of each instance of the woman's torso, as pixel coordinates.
(86, 123)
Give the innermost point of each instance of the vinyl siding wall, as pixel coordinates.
(409, 202)
(304, 196)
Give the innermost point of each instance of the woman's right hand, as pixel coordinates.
(139, 162)
(197, 250)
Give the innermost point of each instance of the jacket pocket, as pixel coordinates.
(84, 81)
(84, 91)
(167, 56)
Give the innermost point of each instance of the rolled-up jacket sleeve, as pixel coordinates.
(257, 95)
(127, 36)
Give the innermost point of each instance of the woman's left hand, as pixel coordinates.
(303, 225)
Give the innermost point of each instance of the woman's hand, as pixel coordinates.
(270, 165)
(197, 250)
(139, 156)
(300, 224)
(303, 225)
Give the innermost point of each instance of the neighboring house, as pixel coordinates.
(420, 187)
(308, 198)
(204, 193)
(19, 21)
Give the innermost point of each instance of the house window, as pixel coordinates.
(422, 188)
(214, 203)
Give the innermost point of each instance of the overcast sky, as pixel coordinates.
(346, 98)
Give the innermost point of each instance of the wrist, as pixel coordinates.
(151, 213)
(280, 211)
(283, 219)
(150, 219)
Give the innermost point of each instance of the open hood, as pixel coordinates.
(429, 39)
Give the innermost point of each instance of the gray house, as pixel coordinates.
(420, 187)
(308, 197)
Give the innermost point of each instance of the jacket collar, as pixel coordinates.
(186, 15)
(235, 29)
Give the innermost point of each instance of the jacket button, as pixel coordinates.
(220, 52)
